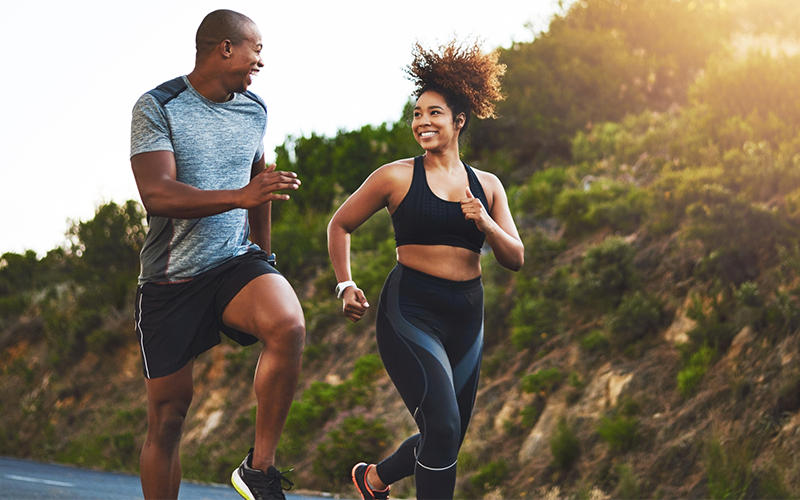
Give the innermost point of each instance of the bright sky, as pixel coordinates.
(73, 70)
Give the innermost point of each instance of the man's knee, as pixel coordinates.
(290, 334)
(165, 426)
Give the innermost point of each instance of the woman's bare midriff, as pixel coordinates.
(442, 261)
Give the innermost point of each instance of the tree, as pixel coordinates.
(601, 60)
(108, 249)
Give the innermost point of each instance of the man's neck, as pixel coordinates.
(210, 88)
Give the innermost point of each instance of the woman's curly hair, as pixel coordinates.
(462, 70)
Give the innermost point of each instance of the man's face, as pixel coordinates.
(245, 61)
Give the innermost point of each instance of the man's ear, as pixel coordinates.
(226, 48)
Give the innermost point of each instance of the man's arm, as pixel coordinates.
(163, 195)
(261, 216)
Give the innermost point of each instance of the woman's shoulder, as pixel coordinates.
(487, 179)
(398, 166)
(398, 170)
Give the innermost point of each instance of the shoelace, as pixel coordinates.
(278, 485)
(270, 486)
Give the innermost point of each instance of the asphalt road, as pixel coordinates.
(24, 479)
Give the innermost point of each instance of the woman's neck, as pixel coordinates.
(445, 160)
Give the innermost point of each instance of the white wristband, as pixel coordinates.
(340, 288)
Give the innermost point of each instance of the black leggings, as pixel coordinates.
(430, 337)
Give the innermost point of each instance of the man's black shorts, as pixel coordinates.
(176, 322)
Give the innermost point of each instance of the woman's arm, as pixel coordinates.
(498, 226)
(372, 196)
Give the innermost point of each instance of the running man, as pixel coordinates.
(197, 154)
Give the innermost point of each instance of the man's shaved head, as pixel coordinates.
(222, 25)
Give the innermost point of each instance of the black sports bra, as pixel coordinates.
(422, 218)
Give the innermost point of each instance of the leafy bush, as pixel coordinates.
(598, 204)
(620, 432)
(719, 218)
(367, 367)
(342, 162)
(489, 477)
(13, 305)
(543, 381)
(760, 87)
(772, 485)
(299, 240)
(695, 370)
(529, 416)
(534, 321)
(628, 484)
(356, 439)
(108, 248)
(595, 341)
(537, 196)
(728, 467)
(712, 328)
(637, 316)
(564, 445)
(322, 401)
(318, 404)
(605, 274)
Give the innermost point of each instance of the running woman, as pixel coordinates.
(429, 323)
(197, 153)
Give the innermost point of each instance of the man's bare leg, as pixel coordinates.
(168, 400)
(268, 309)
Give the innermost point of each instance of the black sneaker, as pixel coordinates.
(359, 475)
(253, 484)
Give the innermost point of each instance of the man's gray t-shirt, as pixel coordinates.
(215, 146)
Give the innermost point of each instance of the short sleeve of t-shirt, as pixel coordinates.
(149, 127)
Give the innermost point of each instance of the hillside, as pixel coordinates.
(649, 348)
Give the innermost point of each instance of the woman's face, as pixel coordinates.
(433, 125)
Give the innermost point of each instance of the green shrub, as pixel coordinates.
(355, 440)
(728, 467)
(299, 240)
(315, 352)
(534, 321)
(104, 341)
(542, 381)
(628, 484)
(620, 432)
(322, 401)
(489, 477)
(124, 444)
(772, 485)
(595, 341)
(564, 445)
(696, 368)
(637, 316)
(529, 415)
(372, 266)
(719, 218)
(605, 274)
(539, 194)
(674, 191)
(13, 305)
(782, 312)
(601, 203)
(367, 368)
(306, 416)
(760, 88)
(712, 326)
(748, 295)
